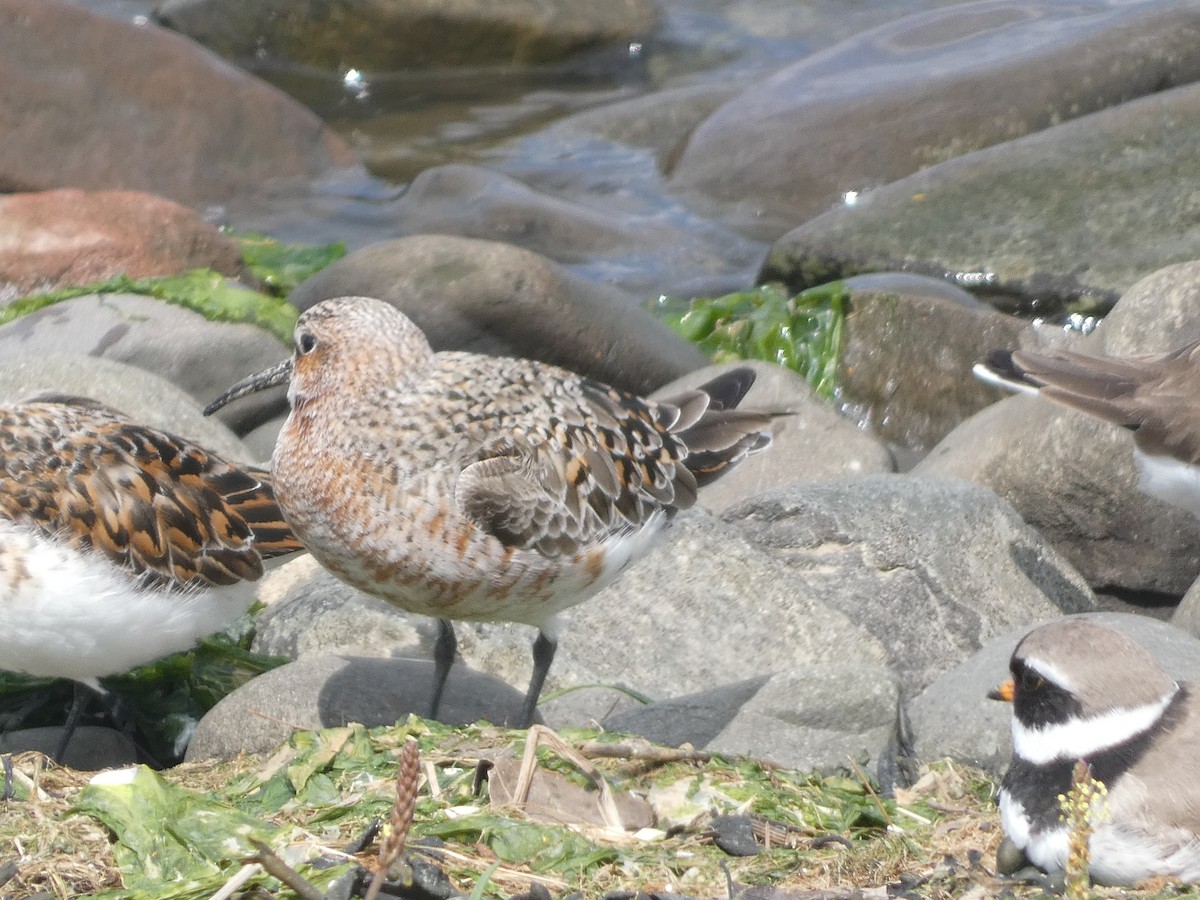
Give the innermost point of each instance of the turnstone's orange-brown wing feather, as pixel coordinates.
(161, 507)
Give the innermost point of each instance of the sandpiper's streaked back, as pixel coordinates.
(1083, 691)
(473, 487)
(1152, 396)
(120, 544)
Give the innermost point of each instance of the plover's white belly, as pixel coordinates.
(1170, 480)
(73, 614)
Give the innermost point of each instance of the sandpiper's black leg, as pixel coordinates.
(543, 655)
(443, 658)
(83, 695)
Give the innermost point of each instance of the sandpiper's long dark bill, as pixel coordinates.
(1082, 690)
(463, 486)
(278, 374)
(1154, 397)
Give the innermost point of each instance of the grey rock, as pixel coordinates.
(327, 691)
(235, 135)
(694, 719)
(91, 748)
(813, 443)
(905, 355)
(1073, 478)
(201, 356)
(1187, 614)
(498, 299)
(953, 717)
(818, 717)
(311, 612)
(789, 147)
(932, 568)
(633, 245)
(408, 34)
(142, 396)
(1156, 314)
(1097, 228)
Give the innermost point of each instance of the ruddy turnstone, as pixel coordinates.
(1153, 396)
(1082, 691)
(473, 487)
(120, 544)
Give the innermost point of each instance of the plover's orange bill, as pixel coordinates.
(473, 487)
(120, 544)
(1082, 691)
(1155, 397)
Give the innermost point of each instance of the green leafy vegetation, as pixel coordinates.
(185, 833)
(802, 332)
(280, 267)
(283, 266)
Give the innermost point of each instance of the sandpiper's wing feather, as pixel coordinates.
(161, 507)
(608, 463)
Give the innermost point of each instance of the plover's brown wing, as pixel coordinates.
(161, 507)
(1153, 396)
(608, 464)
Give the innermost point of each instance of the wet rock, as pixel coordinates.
(926, 88)
(1023, 221)
(636, 245)
(90, 102)
(327, 691)
(957, 561)
(906, 357)
(143, 396)
(54, 239)
(953, 717)
(407, 34)
(813, 443)
(498, 299)
(202, 357)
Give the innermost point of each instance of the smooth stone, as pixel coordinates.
(1074, 479)
(328, 691)
(143, 396)
(1157, 314)
(236, 136)
(953, 717)
(811, 443)
(501, 300)
(1097, 230)
(931, 86)
(409, 34)
(53, 239)
(933, 568)
(91, 748)
(635, 245)
(201, 356)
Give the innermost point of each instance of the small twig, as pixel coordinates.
(408, 779)
(277, 868)
(235, 883)
(642, 752)
(866, 782)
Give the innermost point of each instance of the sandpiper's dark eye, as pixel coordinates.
(305, 343)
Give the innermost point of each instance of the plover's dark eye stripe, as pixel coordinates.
(1038, 701)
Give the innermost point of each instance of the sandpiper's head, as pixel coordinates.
(339, 342)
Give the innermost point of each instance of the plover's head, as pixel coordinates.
(339, 343)
(1078, 687)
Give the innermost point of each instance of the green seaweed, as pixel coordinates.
(283, 266)
(802, 332)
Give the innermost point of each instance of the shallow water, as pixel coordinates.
(402, 123)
